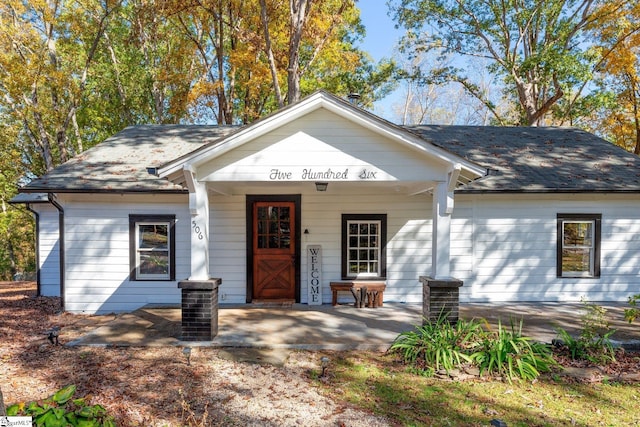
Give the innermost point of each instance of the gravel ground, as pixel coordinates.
(156, 386)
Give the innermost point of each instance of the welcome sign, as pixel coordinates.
(314, 274)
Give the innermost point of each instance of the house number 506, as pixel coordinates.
(197, 230)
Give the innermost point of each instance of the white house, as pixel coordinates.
(517, 214)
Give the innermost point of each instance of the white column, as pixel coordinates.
(441, 240)
(199, 208)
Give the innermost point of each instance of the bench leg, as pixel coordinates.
(360, 295)
(372, 299)
(334, 297)
(363, 297)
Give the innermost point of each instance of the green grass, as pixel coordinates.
(383, 385)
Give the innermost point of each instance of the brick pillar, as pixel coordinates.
(199, 309)
(440, 297)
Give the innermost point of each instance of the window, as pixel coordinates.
(579, 245)
(152, 247)
(364, 240)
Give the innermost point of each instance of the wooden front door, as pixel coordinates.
(274, 250)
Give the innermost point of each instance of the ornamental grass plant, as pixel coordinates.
(438, 344)
(509, 354)
(504, 352)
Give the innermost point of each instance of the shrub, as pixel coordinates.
(509, 354)
(594, 341)
(437, 344)
(61, 410)
(631, 314)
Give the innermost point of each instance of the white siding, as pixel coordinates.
(97, 253)
(503, 248)
(512, 253)
(49, 249)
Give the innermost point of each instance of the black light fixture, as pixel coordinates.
(321, 186)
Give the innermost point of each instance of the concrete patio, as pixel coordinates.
(342, 327)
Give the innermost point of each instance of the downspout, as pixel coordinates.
(61, 240)
(37, 217)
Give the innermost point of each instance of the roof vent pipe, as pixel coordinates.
(354, 98)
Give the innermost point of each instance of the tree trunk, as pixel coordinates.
(299, 12)
(268, 50)
(3, 410)
(13, 269)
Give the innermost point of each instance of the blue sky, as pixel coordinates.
(381, 34)
(380, 41)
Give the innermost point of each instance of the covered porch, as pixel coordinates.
(343, 327)
(315, 194)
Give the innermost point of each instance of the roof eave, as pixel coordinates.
(103, 191)
(549, 191)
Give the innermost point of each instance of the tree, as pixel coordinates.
(16, 224)
(426, 102)
(253, 61)
(48, 49)
(619, 75)
(535, 46)
(313, 27)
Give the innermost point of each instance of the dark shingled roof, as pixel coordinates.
(121, 162)
(519, 159)
(538, 159)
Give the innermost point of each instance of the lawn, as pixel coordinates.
(381, 384)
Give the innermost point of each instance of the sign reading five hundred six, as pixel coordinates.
(310, 174)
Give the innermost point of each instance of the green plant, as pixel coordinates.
(631, 314)
(437, 344)
(60, 410)
(594, 341)
(507, 353)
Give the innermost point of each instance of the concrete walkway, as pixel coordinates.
(339, 328)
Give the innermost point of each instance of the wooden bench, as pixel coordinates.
(369, 294)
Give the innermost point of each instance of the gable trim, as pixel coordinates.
(312, 103)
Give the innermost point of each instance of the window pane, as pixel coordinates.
(353, 268)
(363, 248)
(153, 236)
(262, 213)
(576, 260)
(154, 263)
(578, 233)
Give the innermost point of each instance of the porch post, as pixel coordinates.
(441, 232)
(199, 208)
